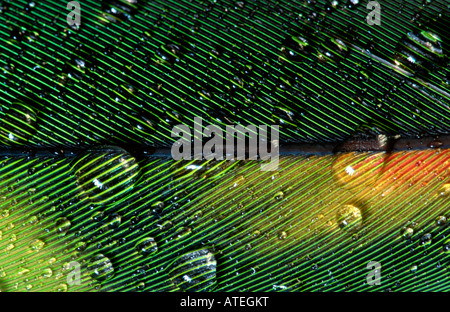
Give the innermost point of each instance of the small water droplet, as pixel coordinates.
(426, 239)
(98, 216)
(9, 247)
(157, 207)
(37, 245)
(183, 232)
(296, 48)
(146, 246)
(114, 220)
(334, 50)
(140, 286)
(5, 213)
(47, 272)
(23, 271)
(165, 225)
(114, 11)
(279, 195)
(407, 232)
(62, 226)
(282, 235)
(60, 288)
(441, 220)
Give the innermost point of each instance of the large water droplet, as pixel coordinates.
(194, 271)
(359, 161)
(106, 174)
(420, 52)
(355, 169)
(100, 268)
(18, 125)
(349, 218)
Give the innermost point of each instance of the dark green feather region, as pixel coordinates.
(17, 125)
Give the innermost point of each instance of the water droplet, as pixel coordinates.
(18, 125)
(5, 213)
(407, 232)
(100, 268)
(194, 271)
(283, 235)
(169, 53)
(117, 11)
(239, 5)
(114, 220)
(60, 288)
(157, 207)
(140, 286)
(425, 239)
(362, 168)
(98, 216)
(334, 50)
(445, 190)
(419, 52)
(23, 271)
(146, 246)
(349, 218)
(142, 124)
(446, 246)
(37, 245)
(296, 48)
(47, 272)
(62, 226)
(183, 232)
(279, 195)
(441, 220)
(256, 233)
(165, 225)
(106, 174)
(9, 247)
